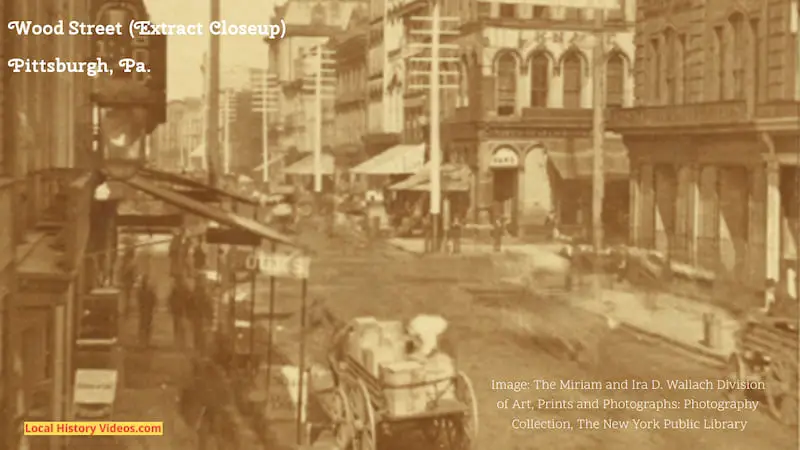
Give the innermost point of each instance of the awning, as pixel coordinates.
(166, 177)
(198, 152)
(580, 164)
(454, 178)
(271, 162)
(209, 212)
(398, 160)
(306, 166)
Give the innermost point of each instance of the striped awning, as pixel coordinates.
(398, 160)
(306, 166)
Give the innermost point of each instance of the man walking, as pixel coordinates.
(147, 306)
(177, 307)
(128, 278)
(198, 310)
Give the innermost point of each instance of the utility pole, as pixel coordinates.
(227, 115)
(598, 134)
(265, 101)
(324, 79)
(212, 129)
(434, 87)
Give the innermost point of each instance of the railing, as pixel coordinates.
(778, 109)
(557, 113)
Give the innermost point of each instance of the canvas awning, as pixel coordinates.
(209, 212)
(306, 166)
(454, 178)
(166, 177)
(398, 160)
(272, 161)
(580, 164)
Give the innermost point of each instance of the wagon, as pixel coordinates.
(358, 408)
(766, 357)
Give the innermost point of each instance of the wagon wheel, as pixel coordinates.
(343, 422)
(781, 392)
(364, 416)
(462, 431)
(735, 371)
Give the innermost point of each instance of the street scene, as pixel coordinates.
(385, 225)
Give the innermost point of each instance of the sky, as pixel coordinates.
(185, 53)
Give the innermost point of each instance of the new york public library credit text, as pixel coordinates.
(534, 405)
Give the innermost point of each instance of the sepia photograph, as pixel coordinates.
(399, 224)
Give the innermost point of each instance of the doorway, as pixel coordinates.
(505, 188)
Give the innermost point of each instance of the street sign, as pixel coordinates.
(280, 265)
(583, 4)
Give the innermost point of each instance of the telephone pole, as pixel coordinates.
(598, 134)
(434, 86)
(265, 101)
(324, 86)
(227, 115)
(212, 129)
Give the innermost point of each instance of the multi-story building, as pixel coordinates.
(525, 119)
(312, 24)
(350, 106)
(48, 214)
(191, 134)
(380, 135)
(713, 136)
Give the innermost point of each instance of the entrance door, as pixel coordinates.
(505, 192)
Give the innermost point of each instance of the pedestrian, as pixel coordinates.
(175, 252)
(427, 232)
(770, 296)
(498, 230)
(128, 278)
(198, 311)
(455, 234)
(199, 255)
(177, 308)
(147, 306)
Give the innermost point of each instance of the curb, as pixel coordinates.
(702, 354)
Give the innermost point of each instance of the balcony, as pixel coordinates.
(703, 116)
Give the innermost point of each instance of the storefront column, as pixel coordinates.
(773, 222)
(757, 232)
(693, 212)
(647, 210)
(634, 215)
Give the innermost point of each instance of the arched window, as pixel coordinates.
(506, 85)
(573, 79)
(721, 49)
(739, 55)
(615, 80)
(671, 66)
(540, 80)
(655, 70)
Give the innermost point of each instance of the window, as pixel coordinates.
(540, 12)
(506, 84)
(755, 58)
(463, 85)
(685, 97)
(722, 48)
(672, 66)
(508, 11)
(655, 70)
(615, 80)
(616, 14)
(540, 80)
(573, 79)
(738, 62)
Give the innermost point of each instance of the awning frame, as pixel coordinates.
(166, 177)
(210, 212)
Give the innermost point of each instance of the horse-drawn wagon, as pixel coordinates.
(766, 363)
(379, 390)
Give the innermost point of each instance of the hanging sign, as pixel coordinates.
(504, 158)
(280, 265)
(95, 386)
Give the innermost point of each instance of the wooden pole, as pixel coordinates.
(212, 130)
(598, 132)
(301, 368)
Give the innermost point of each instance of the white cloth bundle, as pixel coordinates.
(427, 329)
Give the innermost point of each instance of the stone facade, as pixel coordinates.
(713, 138)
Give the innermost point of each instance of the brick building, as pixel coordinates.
(523, 118)
(713, 138)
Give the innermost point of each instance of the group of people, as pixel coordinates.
(188, 299)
